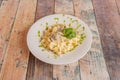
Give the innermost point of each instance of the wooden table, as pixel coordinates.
(100, 63)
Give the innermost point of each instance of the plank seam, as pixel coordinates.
(117, 7)
(79, 71)
(1, 2)
(6, 44)
(36, 10)
(73, 7)
(54, 8)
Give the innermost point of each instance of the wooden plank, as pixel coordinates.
(31, 68)
(66, 72)
(7, 16)
(108, 21)
(17, 54)
(92, 65)
(43, 71)
(65, 7)
(38, 70)
(44, 7)
(70, 71)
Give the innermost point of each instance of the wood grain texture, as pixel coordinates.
(108, 20)
(31, 68)
(38, 70)
(92, 65)
(64, 7)
(44, 8)
(70, 71)
(7, 16)
(118, 5)
(66, 72)
(0, 2)
(17, 54)
(43, 71)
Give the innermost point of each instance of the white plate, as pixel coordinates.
(48, 57)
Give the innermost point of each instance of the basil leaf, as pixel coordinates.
(69, 33)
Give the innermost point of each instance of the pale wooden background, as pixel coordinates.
(102, 61)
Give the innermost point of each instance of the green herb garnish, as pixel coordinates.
(69, 33)
(56, 19)
(63, 15)
(82, 37)
(73, 48)
(55, 56)
(69, 24)
(41, 24)
(78, 26)
(46, 25)
(71, 19)
(64, 21)
(83, 28)
(75, 21)
(38, 33)
(40, 45)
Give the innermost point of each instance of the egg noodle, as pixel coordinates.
(55, 40)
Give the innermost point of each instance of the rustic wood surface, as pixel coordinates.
(108, 21)
(7, 18)
(102, 62)
(17, 53)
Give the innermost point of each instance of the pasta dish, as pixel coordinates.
(61, 39)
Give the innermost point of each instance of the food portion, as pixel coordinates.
(61, 39)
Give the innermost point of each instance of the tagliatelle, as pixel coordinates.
(53, 39)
